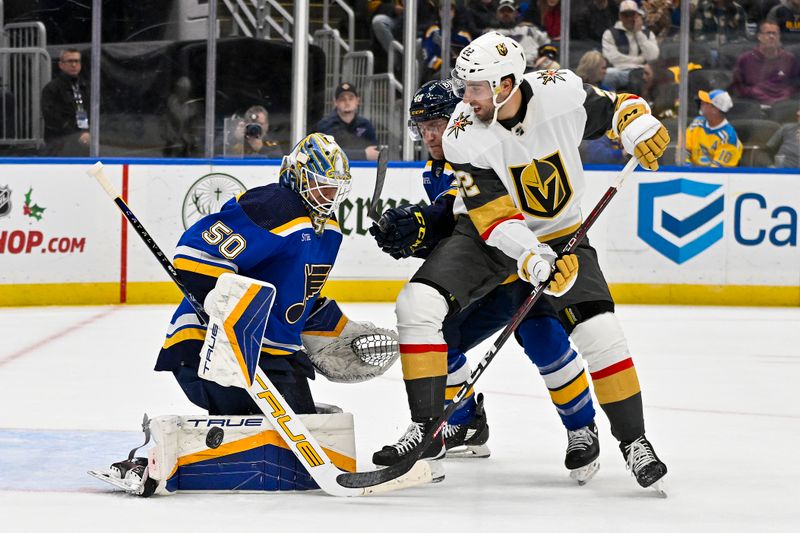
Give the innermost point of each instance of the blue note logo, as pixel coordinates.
(680, 218)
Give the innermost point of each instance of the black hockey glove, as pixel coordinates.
(401, 232)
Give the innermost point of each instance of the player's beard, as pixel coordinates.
(486, 112)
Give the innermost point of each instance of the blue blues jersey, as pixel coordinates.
(265, 234)
(438, 180)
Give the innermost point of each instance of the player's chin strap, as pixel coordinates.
(497, 105)
(146, 429)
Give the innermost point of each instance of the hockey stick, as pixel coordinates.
(380, 177)
(365, 479)
(275, 408)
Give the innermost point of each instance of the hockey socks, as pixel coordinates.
(547, 345)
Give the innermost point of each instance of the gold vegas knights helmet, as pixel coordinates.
(318, 170)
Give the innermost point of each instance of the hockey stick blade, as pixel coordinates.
(380, 177)
(365, 479)
(275, 408)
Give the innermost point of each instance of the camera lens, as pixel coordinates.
(253, 130)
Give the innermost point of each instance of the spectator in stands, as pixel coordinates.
(526, 34)
(550, 17)
(483, 14)
(605, 150)
(251, 136)
(711, 141)
(719, 22)
(65, 108)
(183, 113)
(354, 133)
(592, 19)
(786, 142)
(387, 19)
(787, 17)
(627, 47)
(592, 68)
(660, 17)
(432, 45)
(768, 73)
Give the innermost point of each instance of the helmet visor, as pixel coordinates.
(422, 129)
(471, 89)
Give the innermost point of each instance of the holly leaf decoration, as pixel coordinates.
(33, 211)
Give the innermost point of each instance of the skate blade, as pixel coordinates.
(437, 471)
(479, 451)
(585, 473)
(659, 488)
(129, 486)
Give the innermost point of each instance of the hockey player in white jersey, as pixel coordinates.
(513, 143)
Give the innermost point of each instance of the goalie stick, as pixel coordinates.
(283, 419)
(366, 479)
(380, 177)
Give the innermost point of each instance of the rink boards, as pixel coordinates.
(677, 236)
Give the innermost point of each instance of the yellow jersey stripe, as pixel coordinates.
(186, 334)
(181, 263)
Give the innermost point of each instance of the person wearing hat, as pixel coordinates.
(628, 46)
(711, 140)
(526, 34)
(354, 133)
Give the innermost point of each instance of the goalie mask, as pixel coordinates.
(318, 170)
(481, 67)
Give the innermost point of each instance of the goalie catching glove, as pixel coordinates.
(344, 350)
(642, 134)
(535, 266)
(401, 231)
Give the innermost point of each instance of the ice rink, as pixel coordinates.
(719, 387)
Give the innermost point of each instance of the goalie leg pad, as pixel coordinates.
(238, 310)
(421, 310)
(547, 345)
(602, 342)
(240, 453)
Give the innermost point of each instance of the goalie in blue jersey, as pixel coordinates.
(285, 234)
(258, 266)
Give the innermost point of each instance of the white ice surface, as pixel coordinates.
(721, 404)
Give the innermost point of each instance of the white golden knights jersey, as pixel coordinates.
(528, 167)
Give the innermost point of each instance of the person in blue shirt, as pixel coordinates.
(354, 133)
(283, 233)
(561, 367)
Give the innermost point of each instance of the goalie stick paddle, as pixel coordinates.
(380, 177)
(365, 479)
(283, 419)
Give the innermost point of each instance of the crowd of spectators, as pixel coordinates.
(746, 50)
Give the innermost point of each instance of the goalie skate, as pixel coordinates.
(130, 476)
(468, 440)
(583, 449)
(644, 464)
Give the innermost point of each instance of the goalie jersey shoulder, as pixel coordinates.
(278, 210)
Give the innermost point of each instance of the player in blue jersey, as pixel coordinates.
(544, 338)
(283, 233)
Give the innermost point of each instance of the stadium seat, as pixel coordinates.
(746, 108)
(785, 111)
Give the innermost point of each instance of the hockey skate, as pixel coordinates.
(392, 454)
(583, 449)
(468, 440)
(130, 475)
(644, 464)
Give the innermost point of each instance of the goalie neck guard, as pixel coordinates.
(319, 171)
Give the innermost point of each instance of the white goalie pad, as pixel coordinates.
(231, 453)
(347, 351)
(238, 309)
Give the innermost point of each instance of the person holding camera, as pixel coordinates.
(250, 135)
(354, 133)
